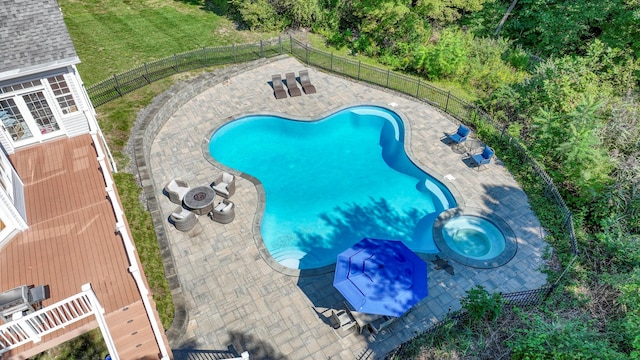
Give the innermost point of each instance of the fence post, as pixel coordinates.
(359, 62)
(307, 47)
(291, 43)
(115, 77)
(233, 48)
(418, 90)
(261, 49)
(388, 74)
(566, 221)
(280, 43)
(446, 105)
(175, 58)
(331, 66)
(204, 53)
(146, 70)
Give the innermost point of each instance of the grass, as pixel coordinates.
(111, 36)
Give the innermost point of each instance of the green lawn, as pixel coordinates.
(111, 36)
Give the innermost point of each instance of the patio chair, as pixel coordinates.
(176, 189)
(342, 319)
(224, 185)
(183, 219)
(292, 84)
(459, 136)
(306, 83)
(223, 212)
(278, 87)
(483, 158)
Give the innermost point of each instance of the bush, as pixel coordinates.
(482, 306)
(444, 59)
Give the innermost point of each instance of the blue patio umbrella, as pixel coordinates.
(382, 277)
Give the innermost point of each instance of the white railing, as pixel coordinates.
(121, 228)
(32, 327)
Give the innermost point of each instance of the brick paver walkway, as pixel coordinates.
(232, 293)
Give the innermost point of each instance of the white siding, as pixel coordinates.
(6, 143)
(75, 124)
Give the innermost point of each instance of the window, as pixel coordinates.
(21, 86)
(62, 94)
(13, 121)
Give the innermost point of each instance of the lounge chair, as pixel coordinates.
(292, 84)
(223, 212)
(306, 83)
(183, 219)
(278, 87)
(176, 189)
(483, 158)
(224, 185)
(459, 136)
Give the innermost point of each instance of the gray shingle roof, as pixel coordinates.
(32, 34)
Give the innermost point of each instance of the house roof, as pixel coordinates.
(34, 37)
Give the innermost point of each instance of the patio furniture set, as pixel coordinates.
(478, 154)
(201, 200)
(292, 85)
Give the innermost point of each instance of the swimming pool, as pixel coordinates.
(331, 182)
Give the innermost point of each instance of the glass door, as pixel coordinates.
(28, 117)
(41, 112)
(13, 121)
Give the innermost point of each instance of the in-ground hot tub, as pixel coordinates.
(474, 238)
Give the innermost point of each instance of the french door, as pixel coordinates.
(27, 117)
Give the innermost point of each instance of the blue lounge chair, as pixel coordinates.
(459, 136)
(483, 158)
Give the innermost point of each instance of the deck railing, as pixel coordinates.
(32, 327)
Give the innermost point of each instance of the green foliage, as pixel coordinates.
(570, 146)
(446, 58)
(258, 15)
(630, 300)
(486, 70)
(565, 26)
(559, 338)
(448, 11)
(88, 346)
(481, 305)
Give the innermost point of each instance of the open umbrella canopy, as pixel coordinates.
(382, 277)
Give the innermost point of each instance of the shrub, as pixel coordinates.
(481, 305)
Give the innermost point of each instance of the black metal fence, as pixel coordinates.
(460, 109)
(128, 81)
(463, 111)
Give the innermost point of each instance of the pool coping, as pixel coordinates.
(510, 246)
(257, 236)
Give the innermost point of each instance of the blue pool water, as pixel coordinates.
(329, 183)
(474, 237)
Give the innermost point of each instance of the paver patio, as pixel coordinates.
(234, 294)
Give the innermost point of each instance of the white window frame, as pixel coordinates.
(52, 102)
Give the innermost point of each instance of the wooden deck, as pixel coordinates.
(71, 241)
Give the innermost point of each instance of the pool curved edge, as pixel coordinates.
(261, 204)
(510, 246)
